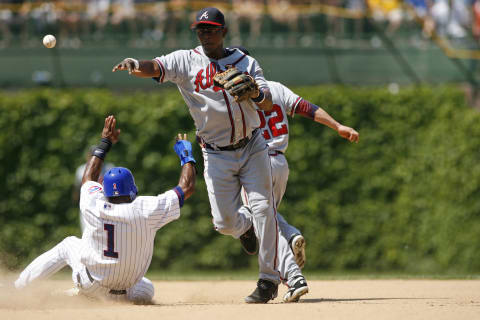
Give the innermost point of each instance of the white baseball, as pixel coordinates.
(49, 41)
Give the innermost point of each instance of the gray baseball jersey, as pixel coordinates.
(219, 119)
(274, 123)
(221, 122)
(116, 247)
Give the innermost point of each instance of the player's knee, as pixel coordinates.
(224, 226)
(261, 208)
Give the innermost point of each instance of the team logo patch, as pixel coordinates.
(107, 206)
(94, 189)
(204, 15)
(115, 186)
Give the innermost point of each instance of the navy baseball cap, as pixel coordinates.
(210, 16)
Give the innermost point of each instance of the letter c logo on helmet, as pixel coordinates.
(118, 182)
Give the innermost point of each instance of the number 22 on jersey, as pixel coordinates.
(273, 122)
(110, 252)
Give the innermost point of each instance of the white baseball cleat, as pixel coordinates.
(298, 249)
(297, 290)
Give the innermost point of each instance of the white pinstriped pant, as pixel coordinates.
(68, 253)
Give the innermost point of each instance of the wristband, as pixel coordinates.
(102, 148)
(260, 98)
(181, 196)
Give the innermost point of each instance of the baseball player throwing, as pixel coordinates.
(114, 254)
(223, 106)
(275, 130)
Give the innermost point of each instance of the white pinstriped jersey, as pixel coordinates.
(218, 118)
(274, 123)
(120, 237)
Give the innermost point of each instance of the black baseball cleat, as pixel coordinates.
(298, 289)
(265, 291)
(249, 241)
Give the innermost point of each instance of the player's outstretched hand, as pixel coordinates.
(109, 129)
(129, 64)
(348, 133)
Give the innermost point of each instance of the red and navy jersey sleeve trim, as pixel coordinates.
(180, 195)
(162, 71)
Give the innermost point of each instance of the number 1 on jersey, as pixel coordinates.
(110, 252)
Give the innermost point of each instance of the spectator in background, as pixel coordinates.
(97, 16)
(476, 20)
(283, 12)
(359, 7)
(451, 18)
(177, 15)
(6, 19)
(249, 11)
(123, 18)
(152, 17)
(71, 20)
(387, 10)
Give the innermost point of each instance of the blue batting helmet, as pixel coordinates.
(118, 182)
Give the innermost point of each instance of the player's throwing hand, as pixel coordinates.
(129, 64)
(348, 133)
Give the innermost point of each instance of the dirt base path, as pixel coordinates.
(352, 299)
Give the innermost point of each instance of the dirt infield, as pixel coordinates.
(352, 299)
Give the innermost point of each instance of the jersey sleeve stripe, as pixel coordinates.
(294, 107)
(162, 68)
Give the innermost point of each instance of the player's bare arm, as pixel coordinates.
(139, 68)
(110, 136)
(183, 148)
(309, 110)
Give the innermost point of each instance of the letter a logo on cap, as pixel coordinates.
(204, 15)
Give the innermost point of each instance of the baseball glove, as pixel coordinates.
(239, 85)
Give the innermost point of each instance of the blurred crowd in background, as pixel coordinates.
(143, 23)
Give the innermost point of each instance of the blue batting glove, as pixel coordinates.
(183, 148)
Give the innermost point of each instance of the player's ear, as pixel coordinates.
(225, 31)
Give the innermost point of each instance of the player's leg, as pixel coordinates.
(290, 273)
(223, 187)
(256, 178)
(280, 172)
(294, 237)
(48, 263)
(142, 292)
